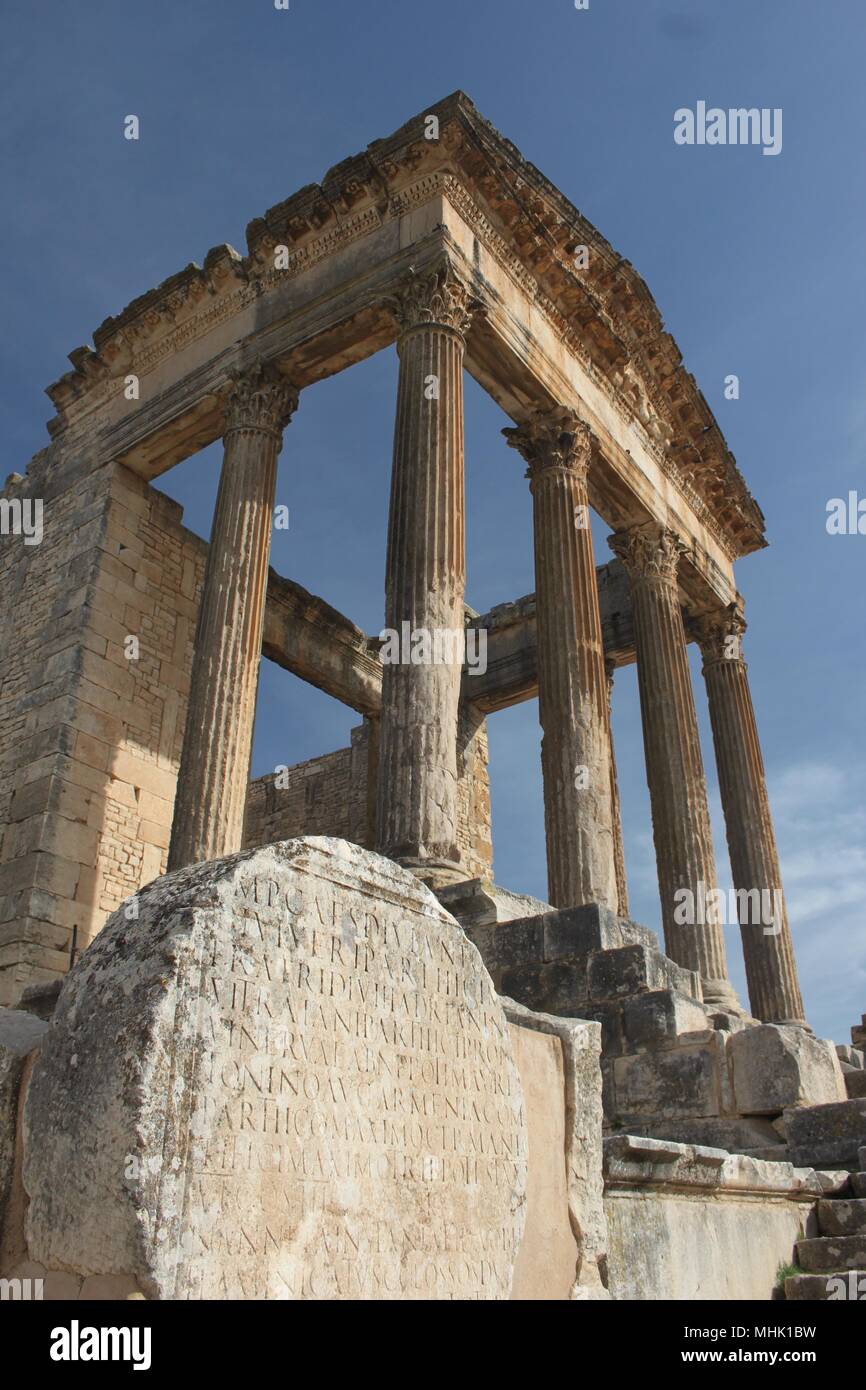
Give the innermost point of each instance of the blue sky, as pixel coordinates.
(756, 263)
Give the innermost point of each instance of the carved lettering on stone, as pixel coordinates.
(291, 1078)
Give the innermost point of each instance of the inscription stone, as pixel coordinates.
(289, 1078)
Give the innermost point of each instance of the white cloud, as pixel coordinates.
(821, 830)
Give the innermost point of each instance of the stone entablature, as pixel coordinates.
(189, 333)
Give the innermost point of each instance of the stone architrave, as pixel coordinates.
(289, 1078)
(683, 839)
(572, 685)
(215, 761)
(425, 580)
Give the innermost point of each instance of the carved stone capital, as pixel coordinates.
(650, 552)
(260, 399)
(438, 298)
(558, 442)
(719, 634)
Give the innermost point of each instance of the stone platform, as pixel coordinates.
(673, 1066)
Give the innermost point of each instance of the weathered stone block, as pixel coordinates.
(838, 1217)
(827, 1136)
(775, 1067)
(683, 1081)
(558, 987)
(289, 1078)
(20, 1033)
(609, 1014)
(829, 1253)
(617, 973)
(660, 1015)
(575, 1137)
(575, 931)
(818, 1288)
(508, 946)
(855, 1085)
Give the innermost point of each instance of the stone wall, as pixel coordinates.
(332, 795)
(691, 1223)
(90, 737)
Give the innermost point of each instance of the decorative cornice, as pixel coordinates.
(260, 399)
(556, 443)
(649, 553)
(438, 298)
(719, 634)
(603, 311)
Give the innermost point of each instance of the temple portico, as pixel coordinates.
(463, 256)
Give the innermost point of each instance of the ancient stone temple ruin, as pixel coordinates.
(305, 1031)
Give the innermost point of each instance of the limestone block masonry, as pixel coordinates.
(289, 1078)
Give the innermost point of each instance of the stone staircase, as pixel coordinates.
(834, 1261)
(673, 1067)
(853, 1061)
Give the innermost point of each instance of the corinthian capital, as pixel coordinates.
(438, 298)
(260, 399)
(557, 442)
(650, 552)
(719, 634)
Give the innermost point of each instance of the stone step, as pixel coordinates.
(827, 1136)
(858, 1184)
(840, 1217)
(849, 1286)
(851, 1057)
(855, 1084)
(827, 1254)
(635, 969)
(772, 1153)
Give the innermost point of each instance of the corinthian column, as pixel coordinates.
(425, 581)
(675, 772)
(774, 990)
(616, 813)
(215, 760)
(572, 685)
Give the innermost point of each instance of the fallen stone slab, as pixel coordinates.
(288, 1078)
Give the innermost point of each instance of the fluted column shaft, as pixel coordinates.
(215, 759)
(771, 970)
(678, 795)
(616, 810)
(425, 580)
(572, 686)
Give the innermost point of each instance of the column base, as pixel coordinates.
(436, 873)
(721, 995)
